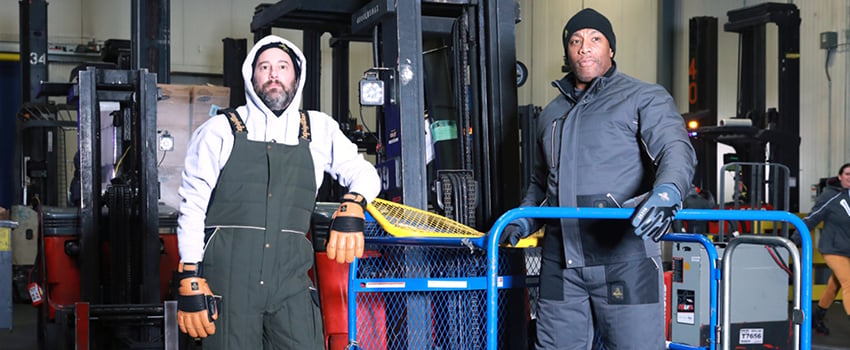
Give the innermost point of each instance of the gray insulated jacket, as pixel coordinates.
(613, 142)
(833, 208)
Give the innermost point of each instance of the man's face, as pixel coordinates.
(589, 55)
(274, 79)
(845, 178)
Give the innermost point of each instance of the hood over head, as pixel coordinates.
(268, 42)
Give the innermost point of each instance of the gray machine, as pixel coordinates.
(6, 273)
(759, 299)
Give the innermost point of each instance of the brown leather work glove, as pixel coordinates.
(346, 237)
(196, 306)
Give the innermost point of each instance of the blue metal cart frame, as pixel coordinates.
(803, 281)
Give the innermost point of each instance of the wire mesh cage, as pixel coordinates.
(411, 296)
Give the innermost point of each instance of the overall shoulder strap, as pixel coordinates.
(236, 123)
(304, 129)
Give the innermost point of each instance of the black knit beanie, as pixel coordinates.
(589, 18)
(279, 45)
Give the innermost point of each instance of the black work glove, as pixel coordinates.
(516, 230)
(796, 238)
(653, 216)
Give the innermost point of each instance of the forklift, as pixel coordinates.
(102, 271)
(105, 253)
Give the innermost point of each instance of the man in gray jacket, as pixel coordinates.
(606, 140)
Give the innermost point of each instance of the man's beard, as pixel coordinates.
(276, 100)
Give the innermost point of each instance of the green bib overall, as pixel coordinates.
(257, 254)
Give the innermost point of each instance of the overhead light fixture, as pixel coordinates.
(372, 89)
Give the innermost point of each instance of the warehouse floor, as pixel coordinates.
(839, 330)
(22, 336)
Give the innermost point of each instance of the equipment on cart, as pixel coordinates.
(760, 293)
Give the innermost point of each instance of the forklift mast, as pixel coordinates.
(125, 186)
(119, 243)
(767, 135)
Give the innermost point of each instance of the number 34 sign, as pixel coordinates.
(37, 58)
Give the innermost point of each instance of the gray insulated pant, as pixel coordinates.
(623, 301)
(267, 300)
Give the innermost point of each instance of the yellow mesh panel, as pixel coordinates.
(402, 221)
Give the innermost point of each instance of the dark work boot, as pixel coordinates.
(818, 323)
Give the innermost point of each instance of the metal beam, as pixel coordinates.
(340, 52)
(312, 49)
(33, 48)
(321, 16)
(702, 96)
(235, 51)
(90, 180)
(405, 56)
(151, 43)
(149, 187)
(499, 113)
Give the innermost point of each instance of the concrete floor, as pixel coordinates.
(22, 336)
(839, 330)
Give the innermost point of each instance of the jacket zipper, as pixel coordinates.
(238, 226)
(645, 147)
(218, 228)
(609, 195)
(293, 231)
(554, 126)
(207, 243)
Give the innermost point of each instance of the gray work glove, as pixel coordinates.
(652, 218)
(516, 230)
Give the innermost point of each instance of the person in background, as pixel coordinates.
(249, 187)
(605, 140)
(832, 207)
